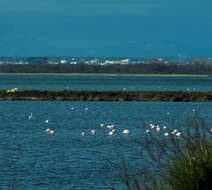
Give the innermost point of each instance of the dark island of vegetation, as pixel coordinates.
(172, 96)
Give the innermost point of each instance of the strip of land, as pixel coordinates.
(109, 74)
(170, 96)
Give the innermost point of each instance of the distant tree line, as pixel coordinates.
(142, 68)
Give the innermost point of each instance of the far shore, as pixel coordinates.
(110, 74)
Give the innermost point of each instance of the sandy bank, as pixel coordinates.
(106, 74)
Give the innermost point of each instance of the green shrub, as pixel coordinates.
(193, 169)
(174, 162)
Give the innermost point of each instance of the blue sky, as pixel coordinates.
(105, 28)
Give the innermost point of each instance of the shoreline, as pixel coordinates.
(108, 74)
(65, 95)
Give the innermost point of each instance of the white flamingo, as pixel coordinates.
(178, 134)
(47, 130)
(158, 128)
(111, 133)
(126, 131)
(166, 134)
(30, 116)
(110, 126)
(93, 131)
(83, 134)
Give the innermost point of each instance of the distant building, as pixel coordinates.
(94, 61)
(111, 62)
(91, 62)
(37, 60)
(52, 62)
(125, 61)
(63, 61)
(73, 62)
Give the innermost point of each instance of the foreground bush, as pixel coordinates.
(173, 159)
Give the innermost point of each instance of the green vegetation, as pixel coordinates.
(173, 160)
(66, 95)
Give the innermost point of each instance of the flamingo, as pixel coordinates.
(93, 131)
(30, 116)
(126, 131)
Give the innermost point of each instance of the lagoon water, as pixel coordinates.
(31, 158)
(105, 83)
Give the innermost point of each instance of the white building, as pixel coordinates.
(125, 61)
(63, 61)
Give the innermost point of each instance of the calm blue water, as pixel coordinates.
(105, 83)
(31, 158)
